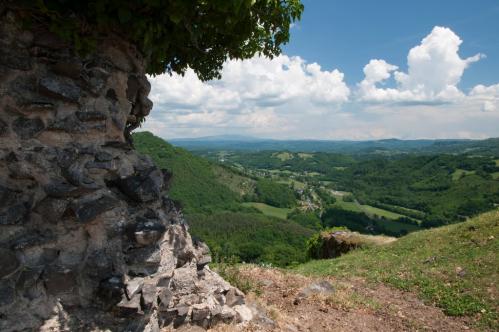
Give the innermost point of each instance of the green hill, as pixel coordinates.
(455, 267)
(211, 197)
(194, 183)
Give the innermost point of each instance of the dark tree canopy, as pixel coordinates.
(175, 34)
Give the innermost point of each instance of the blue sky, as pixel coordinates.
(346, 34)
(356, 69)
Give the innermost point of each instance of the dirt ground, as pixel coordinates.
(352, 305)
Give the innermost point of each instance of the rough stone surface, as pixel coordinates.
(89, 239)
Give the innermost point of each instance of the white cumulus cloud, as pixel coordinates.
(286, 97)
(434, 67)
(255, 95)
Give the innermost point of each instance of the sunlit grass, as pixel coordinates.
(455, 267)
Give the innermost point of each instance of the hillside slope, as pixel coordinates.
(443, 279)
(194, 183)
(211, 197)
(455, 267)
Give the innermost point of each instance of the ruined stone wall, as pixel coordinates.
(89, 239)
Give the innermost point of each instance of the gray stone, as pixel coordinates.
(134, 286)
(203, 261)
(182, 312)
(165, 296)
(27, 128)
(227, 314)
(322, 287)
(127, 307)
(149, 295)
(59, 280)
(69, 69)
(91, 116)
(4, 128)
(143, 261)
(133, 86)
(98, 265)
(14, 214)
(244, 314)
(7, 293)
(148, 231)
(51, 209)
(15, 61)
(111, 95)
(234, 297)
(103, 156)
(86, 211)
(77, 175)
(111, 290)
(95, 78)
(143, 187)
(200, 313)
(61, 88)
(8, 262)
(60, 188)
(146, 106)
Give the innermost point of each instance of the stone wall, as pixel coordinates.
(89, 240)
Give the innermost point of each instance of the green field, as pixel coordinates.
(497, 162)
(391, 223)
(459, 173)
(370, 210)
(397, 226)
(268, 210)
(350, 206)
(455, 267)
(283, 156)
(305, 155)
(367, 209)
(495, 176)
(296, 184)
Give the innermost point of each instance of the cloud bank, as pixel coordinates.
(289, 98)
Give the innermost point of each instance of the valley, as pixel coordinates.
(393, 194)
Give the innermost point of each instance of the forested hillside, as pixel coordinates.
(432, 189)
(211, 196)
(262, 206)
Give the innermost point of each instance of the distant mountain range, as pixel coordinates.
(384, 146)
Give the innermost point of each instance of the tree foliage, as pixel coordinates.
(175, 34)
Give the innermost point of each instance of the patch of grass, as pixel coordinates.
(239, 184)
(229, 270)
(397, 226)
(305, 155)
(455, 267)
(283, 156)
(271, 211)
(371, 210)
(350, 206)
(497, 162)
(495, 176)
(460, 173)
(296, 184)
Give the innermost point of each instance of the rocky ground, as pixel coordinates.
(291, 302)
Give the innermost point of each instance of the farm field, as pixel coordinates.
(459, 173)
(380, 212)
(271, 211)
